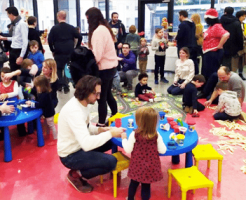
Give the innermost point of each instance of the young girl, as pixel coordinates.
(159, 45)
(143, 53)
(44, 101)
(144, 144)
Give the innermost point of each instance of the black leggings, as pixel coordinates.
(145, 190)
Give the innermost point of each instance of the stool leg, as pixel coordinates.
(169, 185)
(209, 162)
(184, 195)
(115, 183)
(40, 136)
(219, 170)
(210, 192)
(101, 179)
(7, 145)
(197, 163)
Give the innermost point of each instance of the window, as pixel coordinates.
(25, 8)
(70, 8)
(46, 19)
(4, 20)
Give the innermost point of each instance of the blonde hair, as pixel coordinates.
(143, 39)
(51, 63)
(146, 120)
(196, 18)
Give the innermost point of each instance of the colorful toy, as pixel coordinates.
(124, 95)
(191, 125)
(164, 23)
(180, 122)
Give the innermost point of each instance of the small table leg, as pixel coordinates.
(7, 145)
(30, 127)
(40, 136)
(188, 159)
(175, 159)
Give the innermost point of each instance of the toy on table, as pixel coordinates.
(182, 130)
(169, 119)
(179, 139)
(130, 123)
(118, 122)
(162, 115)
(191, 125)
(165, 127)
(176, 129)
(173, 123)
(180, 122)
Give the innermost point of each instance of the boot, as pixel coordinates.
(242, 77)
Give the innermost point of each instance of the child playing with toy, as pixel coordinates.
(35, 55)
(141, 89)
(159, 45)
(143, 53)
(144, 144)
(190, 103)
(229, 107)
(44, 101)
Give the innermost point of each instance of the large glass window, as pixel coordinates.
(4, 20)
(70, 7)
(45, 14)
(25, 8)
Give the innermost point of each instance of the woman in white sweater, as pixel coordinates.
(184, 72)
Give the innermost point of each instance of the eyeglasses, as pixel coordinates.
(96, 93)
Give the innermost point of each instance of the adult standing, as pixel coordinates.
(235, 41)
(213, 40)
(80, 144)
(121, 31)
(101, 42)
(186, 37)
(61, 43)
(19, 37)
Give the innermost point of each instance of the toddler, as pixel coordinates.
(229, 107)
(144, 144)
(116, 83)
(143, 53)
(44, 101)
(141, 89)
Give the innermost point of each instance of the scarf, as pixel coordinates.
(13, 23)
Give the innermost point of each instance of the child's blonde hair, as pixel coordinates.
(146, 120)
(51, 63)
(143, 40)
(42, 82)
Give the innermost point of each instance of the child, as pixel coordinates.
(190, 103)
(143, 53)
(159, 45)
(229, 106)
(116, 83)
(142, 87)
(43, 88)
(35, 55)
(144, 144)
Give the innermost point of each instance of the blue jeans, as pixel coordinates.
(91, 163)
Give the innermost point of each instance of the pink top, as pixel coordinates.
(103, 48)
(212, 37)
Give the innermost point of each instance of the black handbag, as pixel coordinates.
(3, 57)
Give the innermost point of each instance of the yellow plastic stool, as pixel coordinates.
(207, 152)
(116, 116)
(189, 179)
(56, 118)
(122, 163)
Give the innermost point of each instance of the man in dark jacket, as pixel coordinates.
(186, 36)
(61, 43)
(235, 41)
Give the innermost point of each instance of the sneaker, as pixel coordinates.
(66, 90)
(60, 89)
(186, 109)
(164, 80)
(156, 82)
(242, 77)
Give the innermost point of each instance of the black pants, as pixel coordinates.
(224, 116)
(200, 107)
(61, 61)
(159, 65)
(106, 96)
(13, 55)
(209, 87)
(145, 190)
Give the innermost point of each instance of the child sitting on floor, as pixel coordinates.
(44, 101)
(190, 103)
(141, 89)
(229, 107)
(144, 144)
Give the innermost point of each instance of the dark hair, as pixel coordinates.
(229, 10)
(31, 20)
(240, 13)
(33, 43)
(199, 78)
(132, 29)
(141, 76)
(12, 10)
(226, 69)
(42, 82)
(186, 50)
(221, 85)
(184, 13)
(95, 18)
(6, 70)
(125, 43)
(86, 86)
(26, 63)
(212, 22)
(157, 30)
(113, 13)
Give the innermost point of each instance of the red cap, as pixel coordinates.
(176, 128)
(169, 119)
(191, 122)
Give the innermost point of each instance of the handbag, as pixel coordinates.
(3, 57)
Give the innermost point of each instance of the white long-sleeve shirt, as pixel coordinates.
(184, 70)
(75, 132)
(15, 90)
(129, 144)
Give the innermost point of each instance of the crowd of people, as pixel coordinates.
(80, 144)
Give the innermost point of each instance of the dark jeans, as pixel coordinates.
(224, 116)
(176, 90)
(200, 107)
(91, 163)
(145, 190)
(13, 55)
(159, 65)
(106, 96)
(61, 61)
(226, 60)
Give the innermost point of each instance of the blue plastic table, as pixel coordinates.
(190, 142)
(24, 116)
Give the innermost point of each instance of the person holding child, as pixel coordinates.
(144, 144)
(159, 45)
(141, 89)
(184, 72)
(44, 101)
(229, 107)
(143, 53)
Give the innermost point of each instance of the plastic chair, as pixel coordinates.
(189, 179)
(122, 163)
(207, 152)
(116, 116)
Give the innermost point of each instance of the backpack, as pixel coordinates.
(82, 63)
